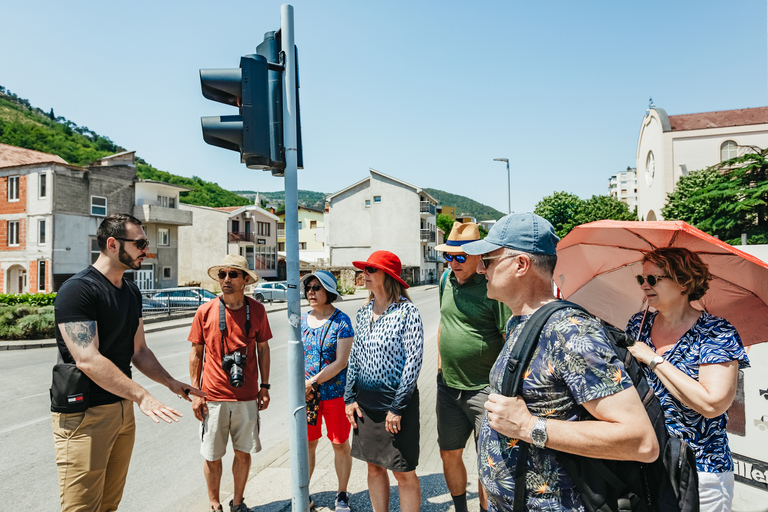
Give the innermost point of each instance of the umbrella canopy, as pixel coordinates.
(597, 264)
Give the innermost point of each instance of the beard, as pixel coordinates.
(126, 260)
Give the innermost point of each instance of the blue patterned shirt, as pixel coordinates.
(386, 358)
(314, 361)
(711, 340)
(573, 363)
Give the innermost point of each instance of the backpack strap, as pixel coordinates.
(442, 282)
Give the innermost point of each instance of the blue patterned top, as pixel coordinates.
(573, 363)
(711, 340)
(386, 358)
(313, 361)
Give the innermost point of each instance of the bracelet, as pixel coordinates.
(265, 386)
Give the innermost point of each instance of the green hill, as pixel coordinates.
(464, 204)
(25, 126)
(308, 198)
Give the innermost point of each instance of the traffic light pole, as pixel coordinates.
(296, 398)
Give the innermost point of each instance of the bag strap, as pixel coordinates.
(442, 282)
(325, 334)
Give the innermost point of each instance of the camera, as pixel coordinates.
(233, 363)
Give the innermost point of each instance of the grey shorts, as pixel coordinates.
(239, 420)
(459, 414)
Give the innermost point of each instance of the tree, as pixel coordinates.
(566, 211)
(561, 209)
(445, 222)
(726, 200)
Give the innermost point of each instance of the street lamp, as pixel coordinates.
(509, 191)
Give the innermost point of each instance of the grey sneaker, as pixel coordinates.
(242, 507)
(342, 502)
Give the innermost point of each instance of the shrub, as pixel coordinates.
(33, 299)
(26, 322)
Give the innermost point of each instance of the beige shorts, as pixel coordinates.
(240, 420)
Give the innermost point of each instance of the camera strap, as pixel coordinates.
(223, 325)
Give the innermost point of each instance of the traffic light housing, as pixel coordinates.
(246, 88)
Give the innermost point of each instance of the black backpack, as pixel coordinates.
(670, 484)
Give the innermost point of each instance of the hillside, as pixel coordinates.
(464, 204)
(25, 126)
(308, 198)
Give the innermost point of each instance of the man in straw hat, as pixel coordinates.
(230, 350)
(576, 397)
(470, 337)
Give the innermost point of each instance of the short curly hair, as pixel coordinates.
(684, 267)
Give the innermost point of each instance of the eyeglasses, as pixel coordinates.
(314, 288)
(371, 270)
(487, 259)
(652, 280)
(141, 243)
(460, 258)
(233, 274)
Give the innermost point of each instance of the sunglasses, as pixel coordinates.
(314, 288)
(233, 274)
(652, 280)
(460, 258)
(488, 259)
(141, 243)
(371, 270)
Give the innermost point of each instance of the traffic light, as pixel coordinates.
(249, 132)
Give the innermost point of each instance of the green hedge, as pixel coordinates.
(26, 322)
(31, 299)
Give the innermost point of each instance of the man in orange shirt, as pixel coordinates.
(230, 350)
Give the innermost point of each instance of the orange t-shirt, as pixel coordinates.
(205, 331)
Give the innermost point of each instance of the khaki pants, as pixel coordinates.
(93, 452)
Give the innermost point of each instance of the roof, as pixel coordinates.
(719, 119)
(180, 187)
(237, 210)
(418, 190)
(12, 156)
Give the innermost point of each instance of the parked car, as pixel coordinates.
(183, 298)
(151, 306)
(268, 292)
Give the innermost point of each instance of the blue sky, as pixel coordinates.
(429, 92)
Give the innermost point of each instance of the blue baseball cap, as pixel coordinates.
(526, 232)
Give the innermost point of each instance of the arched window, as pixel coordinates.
(728, 150)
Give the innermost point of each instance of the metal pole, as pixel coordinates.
(296, 399)
(509, 192)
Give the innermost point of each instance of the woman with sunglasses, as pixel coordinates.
(381, 395)
(327, 335)
(692, 361)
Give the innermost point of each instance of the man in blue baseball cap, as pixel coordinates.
(574, 371)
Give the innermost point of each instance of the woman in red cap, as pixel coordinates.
(382, 401)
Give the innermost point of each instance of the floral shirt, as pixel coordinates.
(573, 363)
(711, 340)
(386, 358)
(314, 361)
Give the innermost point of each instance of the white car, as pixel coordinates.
(268, 292)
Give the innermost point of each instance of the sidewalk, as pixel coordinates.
(269, 485)
(162, 323)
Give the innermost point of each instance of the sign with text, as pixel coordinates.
(750, 471)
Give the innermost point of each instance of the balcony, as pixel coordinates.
(241, 236)
(426, 208)
(427, 235)
(151, 213)
(281, 233)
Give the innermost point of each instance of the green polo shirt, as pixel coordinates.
(472, 332)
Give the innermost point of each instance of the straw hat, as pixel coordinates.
(385, 261)
(233, 261)
(460, 235)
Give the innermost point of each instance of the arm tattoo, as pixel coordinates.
(81, 333)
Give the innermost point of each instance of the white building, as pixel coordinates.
(623, 186)
(380, 212)
(202, 245)
(672, 146)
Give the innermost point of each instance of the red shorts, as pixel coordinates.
(336, 422)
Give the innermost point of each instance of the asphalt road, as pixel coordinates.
(166, 469)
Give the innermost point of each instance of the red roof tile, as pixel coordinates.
(12, 156)
(719, 119)
(228, 208)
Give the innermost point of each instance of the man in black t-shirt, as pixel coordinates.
(100, 330)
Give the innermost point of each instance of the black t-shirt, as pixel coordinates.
(90, 296)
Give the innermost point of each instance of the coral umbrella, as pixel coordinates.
(597, 264)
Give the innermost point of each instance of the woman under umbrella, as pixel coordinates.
(692, 360)
(381, 395)
(327, 335)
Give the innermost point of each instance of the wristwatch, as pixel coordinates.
(265, 386)
(655, 362)
(539, 433)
